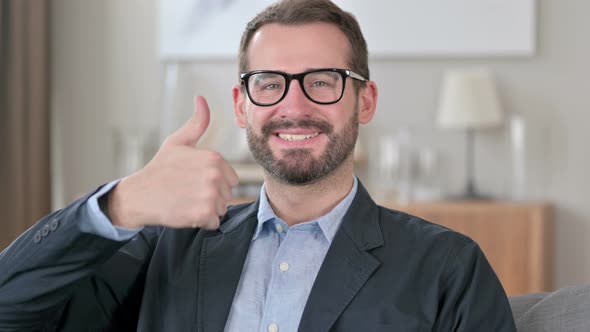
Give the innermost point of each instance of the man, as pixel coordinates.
(314, 253)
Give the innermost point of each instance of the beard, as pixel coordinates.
(298, 165)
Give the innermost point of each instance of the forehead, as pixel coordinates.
(296, 48)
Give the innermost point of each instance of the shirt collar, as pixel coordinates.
(329, 223)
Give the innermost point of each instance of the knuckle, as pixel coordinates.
(211, 225)
(235, 180)
(215, 156)
(210, 196)
(215, 175)
(208, 211)
(226, 194)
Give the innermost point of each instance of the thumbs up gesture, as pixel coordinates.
(182, 186)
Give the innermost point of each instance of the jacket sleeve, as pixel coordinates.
(56, 276)
(472, 297)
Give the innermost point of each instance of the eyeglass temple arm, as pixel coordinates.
(356, 76)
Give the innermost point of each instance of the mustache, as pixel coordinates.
(321, 125)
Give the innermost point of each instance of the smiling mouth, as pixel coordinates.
(296, 138)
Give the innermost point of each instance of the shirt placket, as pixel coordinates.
(273, 320)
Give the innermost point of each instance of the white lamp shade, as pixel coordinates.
(469, 100)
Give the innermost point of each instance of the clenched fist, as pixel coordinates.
(182, 186)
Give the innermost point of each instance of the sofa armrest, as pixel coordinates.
(566, 309)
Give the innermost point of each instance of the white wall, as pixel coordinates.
(106, 76)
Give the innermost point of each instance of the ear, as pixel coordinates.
(239, 111)
(368, 102)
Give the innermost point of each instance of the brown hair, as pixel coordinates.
(294, 12)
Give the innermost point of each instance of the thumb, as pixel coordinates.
(194, 128)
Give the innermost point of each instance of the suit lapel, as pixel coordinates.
(347, 265)
(222, 259)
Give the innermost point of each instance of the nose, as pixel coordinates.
(295, 104)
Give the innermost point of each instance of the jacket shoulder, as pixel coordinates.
(397, 224)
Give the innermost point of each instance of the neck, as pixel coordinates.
(300, 203)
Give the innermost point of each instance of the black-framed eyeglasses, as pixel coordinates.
(323, 86)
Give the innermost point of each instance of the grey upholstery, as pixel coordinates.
(566, 309)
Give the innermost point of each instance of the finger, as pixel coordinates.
(226, 192)
(210, 219)
(190, 133)
(221, 207)
(212, 224)
(230, 174)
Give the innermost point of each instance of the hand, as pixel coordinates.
(182, 186)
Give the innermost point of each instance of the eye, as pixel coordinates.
(271, 86)
(322, 80)
(267, 82)
(320, 84)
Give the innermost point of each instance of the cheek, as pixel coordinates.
(255, 117)
(340, 117)
(249, 112)
(261, 113)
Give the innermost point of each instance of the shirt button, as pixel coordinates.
(279, 228)
(273, 328)
(284, 266)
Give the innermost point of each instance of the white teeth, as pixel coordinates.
(288, 137)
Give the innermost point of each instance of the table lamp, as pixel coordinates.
(469, 102)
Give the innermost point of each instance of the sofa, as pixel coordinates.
(566, 309)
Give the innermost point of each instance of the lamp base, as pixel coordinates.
(470, 197)
(471, 194)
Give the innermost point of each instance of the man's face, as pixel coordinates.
(298, 141)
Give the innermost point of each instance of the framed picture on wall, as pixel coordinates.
(201, 29)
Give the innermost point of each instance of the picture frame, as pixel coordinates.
(211, 29)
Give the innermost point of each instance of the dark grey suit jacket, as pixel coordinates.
(385, 271)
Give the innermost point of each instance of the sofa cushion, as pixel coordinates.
(566, 309)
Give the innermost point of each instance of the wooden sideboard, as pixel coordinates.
(517, 238)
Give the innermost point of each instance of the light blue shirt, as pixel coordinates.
(280, 268)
